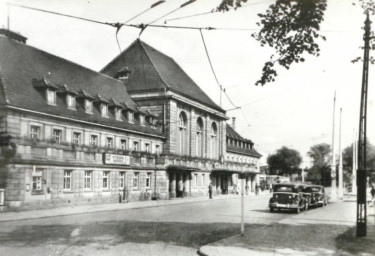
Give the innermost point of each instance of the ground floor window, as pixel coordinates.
(148, 180)
(68, 180)
(88, 180)
(136, 180)
(122, 180)
(105, 180)
(37, 180)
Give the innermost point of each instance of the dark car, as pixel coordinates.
(287, 196)
(308, 194)
(319, 196)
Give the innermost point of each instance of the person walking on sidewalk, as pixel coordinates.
(372, 195)
(256, 189)
(210, 190)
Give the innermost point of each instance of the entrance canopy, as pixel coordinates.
(181, 168)
(234, 171)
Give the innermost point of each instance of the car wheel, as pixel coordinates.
(271, 209)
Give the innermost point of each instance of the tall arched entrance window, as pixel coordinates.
(199, 138)
(213, 141)
(182, 134)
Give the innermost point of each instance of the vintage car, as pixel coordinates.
(287, 196)
(319, 198)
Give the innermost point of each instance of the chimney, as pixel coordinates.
(13, 35)
(234, 123)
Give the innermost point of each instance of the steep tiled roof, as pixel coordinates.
(232, 134)
(152, 70)
(21, 64)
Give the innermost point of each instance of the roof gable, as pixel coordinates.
(152, 70)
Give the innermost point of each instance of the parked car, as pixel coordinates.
(319, 197)
(287, 196)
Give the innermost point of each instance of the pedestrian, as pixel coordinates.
(372, 194)
(270, 188)
(210, 190)
(256, 189)
(181, 189)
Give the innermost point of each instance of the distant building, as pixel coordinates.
(138, 130)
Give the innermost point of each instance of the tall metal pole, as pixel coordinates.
(354, 170)
(341, 179)
(361, 172)
(242, 205)
(333, 164)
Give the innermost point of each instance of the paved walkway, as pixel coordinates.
(82, 209)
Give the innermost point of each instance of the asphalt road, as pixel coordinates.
(166, 230)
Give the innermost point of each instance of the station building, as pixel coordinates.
(140, 129)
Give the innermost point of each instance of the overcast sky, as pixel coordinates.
(295, 111)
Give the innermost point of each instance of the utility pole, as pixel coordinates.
(242, 205)
(362, 171)
(354, 169)
(333, 165)
(341, 179)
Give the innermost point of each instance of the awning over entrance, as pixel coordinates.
(181, 168)
(234, 171)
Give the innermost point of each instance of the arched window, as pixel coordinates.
(182, 134)
(199, 138)
(213, 141)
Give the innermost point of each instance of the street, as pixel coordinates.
(179, 229)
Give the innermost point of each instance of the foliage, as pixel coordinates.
(290, 27)
(347, 160)
(320, 172)
(285, 161)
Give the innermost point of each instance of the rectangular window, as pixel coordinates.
(147, 147)
(118, 113)
(104, 109)
(109, 142)
(35, 132)
(88, 179)
(195, 178)
(51, 97)
(88, 106)
(122, 180)
(71, 101)
(94, 140)
(76, 138)
(135, 145)
(130, 117)
(37, 180)
(142, 119)
(57, 135)
(105, 180)
(148, 180)
(136, 180)
(123, 144)
(157, 149)
(68, 180)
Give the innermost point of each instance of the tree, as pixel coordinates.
(291, 27)
(285, 161)
(347, 160)
(320, 172)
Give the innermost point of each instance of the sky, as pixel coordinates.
(294, 111)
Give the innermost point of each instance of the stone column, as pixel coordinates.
(173, 185)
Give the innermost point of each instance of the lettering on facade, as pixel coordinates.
(116, 159)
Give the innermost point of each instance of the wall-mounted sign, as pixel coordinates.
(116, 159)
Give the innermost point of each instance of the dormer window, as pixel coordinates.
(51, 96)
(71, 101)
(88, 106)
(130, 117)
(104, 110)
(118, 114)
(123, 74)
(141, 119)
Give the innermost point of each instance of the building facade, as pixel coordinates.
(140, 129)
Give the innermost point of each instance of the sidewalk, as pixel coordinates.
(311, 233)
(82, 209)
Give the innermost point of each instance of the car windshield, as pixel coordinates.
(316, 189)
(284, 189)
